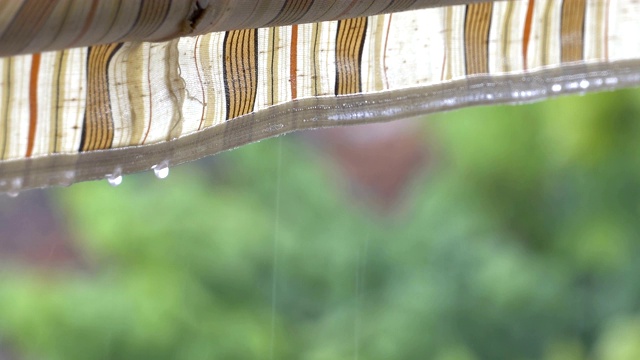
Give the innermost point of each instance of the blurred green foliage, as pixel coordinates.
(518, 242)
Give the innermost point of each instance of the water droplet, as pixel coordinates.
(161, 170)
(68, 178)
(115, 179)
(16, 185)
(584, 84)
(556, 87)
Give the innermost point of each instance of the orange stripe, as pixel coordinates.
(527, 33)
(33, 102)
(293, 78)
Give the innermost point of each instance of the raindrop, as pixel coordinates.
(68, 178)
(584, 84)
(556, 87)
(161, 170)
(16, 185)
(115, 179)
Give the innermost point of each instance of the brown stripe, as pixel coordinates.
(293, 67)
(526, 36)
(33, 102)
(291, 12)
(349, 43)
(572, 30)
(97, 132)
(476, 37)
(240, 53)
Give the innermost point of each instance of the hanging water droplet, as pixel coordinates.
(556, 87)
(584, 84)
(161, 170)
(115, 179)
(16, 185)
(67, 180)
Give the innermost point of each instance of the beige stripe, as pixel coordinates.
(544, 46)
(135, 93)
(56, 87)
(5, 102)
(120, 108)
(18, 116)
(73, 100)
(374, 43)
(454, 42)
(507, 28)
(595, 36)
(175, 85)
(212, 102)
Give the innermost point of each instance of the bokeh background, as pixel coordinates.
(506, 232)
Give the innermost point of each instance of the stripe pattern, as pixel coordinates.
(476, 38)
(350, 39)
(132, 93)
(240, 71)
